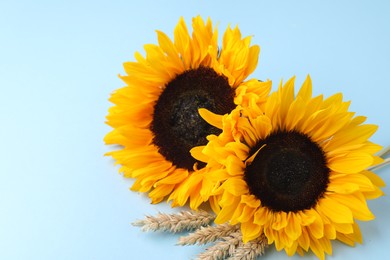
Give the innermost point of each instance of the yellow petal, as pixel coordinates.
(262, 216)
(295, 114)
(240, 149)
(350, 239)
(349, 183)
(335, 211)
(343, 228)
(279, 221)
(343, 187)
(158, 194)
(306, 90)
(253, 156)
(316, 228)
(287, 97)
(317, 248)
(246, 214)
(351, 135)
(293, 229)
(211, 118)
(250, 231)
(352, 162)
(304, 239)
(329, 231)
(195, 198)
(290, 251)
(197, 153)
(250, 200)
(235, 186)
(175, 177)
(253, 57)
(234, 165)
(375, 179)
(182, 42)
(356, 203)
(226, 212)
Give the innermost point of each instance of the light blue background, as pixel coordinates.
(59, 61)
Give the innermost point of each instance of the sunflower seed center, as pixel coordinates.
(177, 125)
(289, 173)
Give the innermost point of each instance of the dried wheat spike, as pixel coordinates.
(250, 250)
(222, 249)
(208, 234)
(185, 220)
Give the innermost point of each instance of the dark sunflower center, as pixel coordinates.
(289, 173)
(177, 125)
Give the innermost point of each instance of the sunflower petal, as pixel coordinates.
(211, 118)
(351, 163)
(335, 211)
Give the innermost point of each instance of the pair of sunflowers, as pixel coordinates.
(194, 130)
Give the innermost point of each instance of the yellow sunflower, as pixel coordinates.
(155, 116)
(295, 170)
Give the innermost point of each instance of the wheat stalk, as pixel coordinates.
(250, 250)
(222, 249)
(185, 220)
(208, 234)
(229, 243)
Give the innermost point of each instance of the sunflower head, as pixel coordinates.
(295, 170)
(155, 116)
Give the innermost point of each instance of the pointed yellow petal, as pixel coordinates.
(197, 153)
(240, 149)
(175, 177)
(293, 229)
(234, 165)
(351, 238)
(356, 203)
(352, 162)
(287, 97)
(375, 179)
(316, 228)
(351, 135)
(335, 211)
(317, 248)
(235, 186)
(158, 194)
(169, 48)
(211, 118)
(226, 212)
(306, 90)
(253, 57)
(250, 200)
(253, 156)
(250, 231)
(304, 239)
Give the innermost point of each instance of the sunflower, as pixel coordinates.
(294, 170)
(155, 116)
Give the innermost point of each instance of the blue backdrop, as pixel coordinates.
(59, 61)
